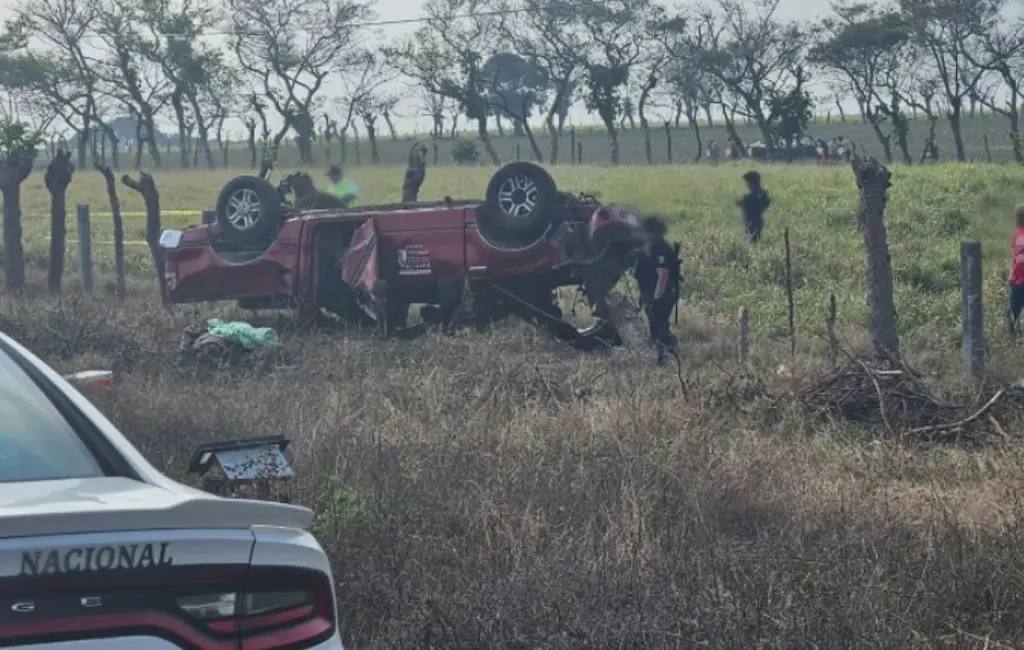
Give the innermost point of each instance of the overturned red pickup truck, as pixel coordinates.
(465, 261)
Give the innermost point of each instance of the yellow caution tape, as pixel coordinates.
(165, 213)
(106, 243)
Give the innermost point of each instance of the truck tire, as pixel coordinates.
(249, 210)
(524, 196)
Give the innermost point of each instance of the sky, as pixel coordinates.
(408, 114)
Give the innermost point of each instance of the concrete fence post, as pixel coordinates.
(85, 246)
(973, 341)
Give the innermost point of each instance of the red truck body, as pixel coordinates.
(505, 254)
(410, 249)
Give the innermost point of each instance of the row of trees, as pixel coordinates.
(277, 66)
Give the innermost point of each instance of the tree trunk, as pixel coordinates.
(391, 125)
(524, 127)
(13, 172)
(873, 183)
(371, 137)
(883, 139)
(179, 114)
(204, 131)
(146, 186)
(1014, 118)
(14, 261)
(692, 117)
(485, 139)
(251, 140)
(85, 135)
(955, 115)
(553, 137)
(57, 178)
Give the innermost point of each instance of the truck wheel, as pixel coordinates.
(249, 210)
(524, 196)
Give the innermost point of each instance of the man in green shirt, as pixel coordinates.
(341, 187)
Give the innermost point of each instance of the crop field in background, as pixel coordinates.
(499, 490)
(684, 145)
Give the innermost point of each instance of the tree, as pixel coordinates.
(1000, 50)
(791, 112)
(362, 97)
(288, 48)
(65, 82)
(128, 77)
(19, 146)
(868, 50)
(58, 176)
(517, 89)
(943, 29)
(617, 35)
(547, 34)
(753, 55)
(191, 67)
(651, 73)
(446, 58)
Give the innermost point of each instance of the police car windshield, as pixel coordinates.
(36, 442)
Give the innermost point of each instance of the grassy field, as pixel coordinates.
(594, 143)
(498, 490)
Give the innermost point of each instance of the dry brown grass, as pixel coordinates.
(499, 490)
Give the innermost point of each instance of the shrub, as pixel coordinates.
(465, 151)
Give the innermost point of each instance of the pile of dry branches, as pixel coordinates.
(895, 398)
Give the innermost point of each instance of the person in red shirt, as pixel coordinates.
(1016, 273)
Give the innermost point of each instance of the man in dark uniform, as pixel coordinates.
(754, 204)
(657, 274)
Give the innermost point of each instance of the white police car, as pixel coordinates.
(98, 549)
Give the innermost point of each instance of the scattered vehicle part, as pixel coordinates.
(91, 380)
(368, 265)
(255, 463)
(98, 549)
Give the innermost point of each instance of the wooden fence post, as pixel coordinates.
(830, 328)
(579, 153)
(209, 217)
(668, 141)
(789, 295)
(973, 341)
(572, 145)
(85, 246)
(743, 336)
(119, 268)
(518, 158)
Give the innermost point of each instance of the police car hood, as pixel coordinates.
(109, 504)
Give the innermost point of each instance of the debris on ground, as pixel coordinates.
(246, 335)
(625, 318)
(221, 342)
(895, 398)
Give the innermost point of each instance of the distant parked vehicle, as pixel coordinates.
(806, 147)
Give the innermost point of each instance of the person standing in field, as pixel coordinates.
(1016, 302)
(658, 272)
(341, 187)
(754, 204)
(714, 152)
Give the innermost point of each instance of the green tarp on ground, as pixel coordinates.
(243, 333)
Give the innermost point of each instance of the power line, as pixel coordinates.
(371, 23)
